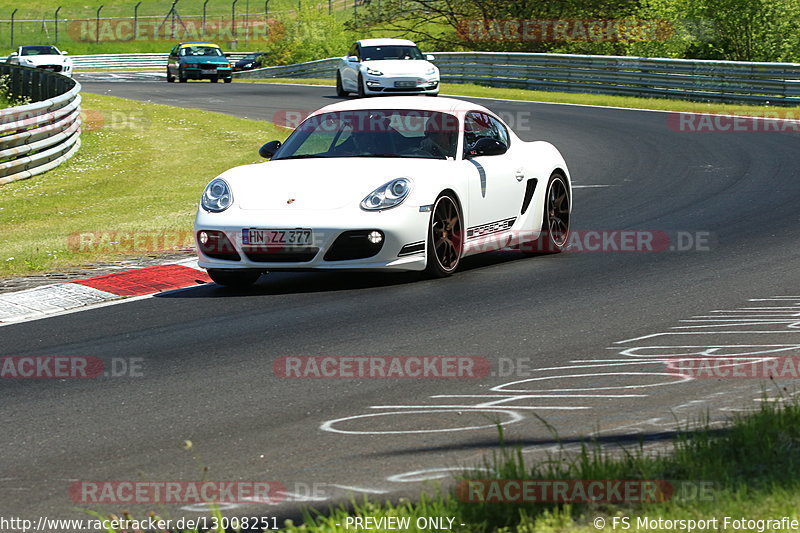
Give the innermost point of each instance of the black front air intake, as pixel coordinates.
(217, 245)
(354, 245)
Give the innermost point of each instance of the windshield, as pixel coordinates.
(374, 133)
(377, 53)
(39, 50)
(201, 51)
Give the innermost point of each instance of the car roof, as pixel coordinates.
(386, 42)
(421, 103)
(189, 43)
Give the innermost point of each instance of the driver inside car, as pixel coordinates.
(438, 140)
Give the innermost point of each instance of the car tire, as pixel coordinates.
(170, 79)
(445, 242)
(361, 92)
(234, 278)
(555, 219)
(340, 92)
(181, 77)
(213, 80)
(227, 80)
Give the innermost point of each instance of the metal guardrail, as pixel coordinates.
(321, 68)
(715, 81)
(37, 137)
(118, 61)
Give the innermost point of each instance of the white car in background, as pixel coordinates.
(397, 183)
(386, 66)
(43, 56)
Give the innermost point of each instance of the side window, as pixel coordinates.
(501, 131)
(353, 51)
(479, 125)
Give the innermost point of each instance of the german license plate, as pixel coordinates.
(208, 71)
(277, 237)
(405, 84)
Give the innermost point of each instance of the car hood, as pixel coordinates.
(322, 184)
(400, 67)
(49, 59)
(205, 59)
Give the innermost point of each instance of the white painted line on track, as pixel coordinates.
(360, 489)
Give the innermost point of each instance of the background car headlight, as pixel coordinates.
(387, 195)
(217, 197)
(374, 72)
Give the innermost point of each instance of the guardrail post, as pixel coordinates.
(13, 13)
(136, 20)
(55, 20)
(97, 37)
(233, 18)
(246, 27)
(205, 3)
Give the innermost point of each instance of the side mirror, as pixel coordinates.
(64, 53)
(13, 54)
(352, 59)
(429, 57)
(269, 149)
(486, 146)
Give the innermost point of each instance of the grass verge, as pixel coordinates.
(141, 170)
(630, 102)
(746, 470)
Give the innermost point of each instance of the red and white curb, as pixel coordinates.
(58, 298)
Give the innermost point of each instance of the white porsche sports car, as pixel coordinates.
(386, 66)
(43, 56)
(399, 183)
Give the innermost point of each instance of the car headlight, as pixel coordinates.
(430, 71)
(374, 72)
(387, 195)
(217, 197)
(190, 65)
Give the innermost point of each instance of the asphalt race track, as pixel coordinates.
(589, 331)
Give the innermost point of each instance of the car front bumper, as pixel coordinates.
(401, 85)
(403, 230)
(195, 73)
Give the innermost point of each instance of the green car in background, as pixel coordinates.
(198, 61)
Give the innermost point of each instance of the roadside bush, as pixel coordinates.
(311, 34)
